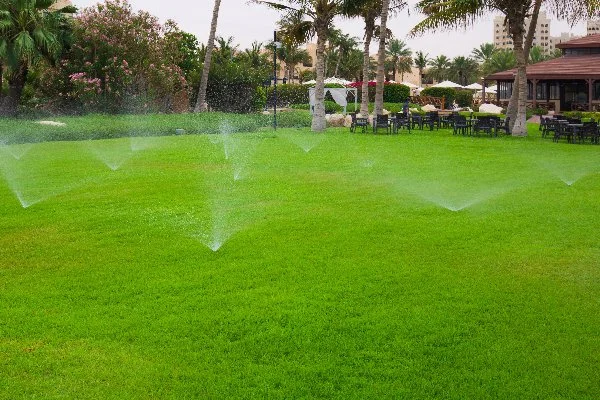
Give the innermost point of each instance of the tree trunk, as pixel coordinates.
(517, 107)
(201, 105)
(16, 83)
(381, 58)
(337, 65)
(520, 125)
(364, 100)
(318, 119)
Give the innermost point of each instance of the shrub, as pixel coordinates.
(288, 94)
(464, 98)
(448, 93)
(395, 93)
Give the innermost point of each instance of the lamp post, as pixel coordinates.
(276, 45)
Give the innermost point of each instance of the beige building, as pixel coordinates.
(593, 27)
(542, 37)
(61, 4)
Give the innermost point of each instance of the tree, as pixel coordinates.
(502, 60)
(321, 14)
(439, 68)
(369, 11)
(464, 69)
(292, 55)
(30, 31)
(484, 52)
(344, 43)
(450, 14)
(201, 105)
(536, 55)
(400, 54)
(381, 57)
(421, 60)
(120, 61)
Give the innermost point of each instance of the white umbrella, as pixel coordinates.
(410, 85)
(447, 84)
(311, 82)
(339, 81)
(474, 86)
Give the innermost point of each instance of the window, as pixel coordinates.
(505, 89)
(540, 91)
(554, 91)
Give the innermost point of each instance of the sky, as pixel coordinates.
(250, 22)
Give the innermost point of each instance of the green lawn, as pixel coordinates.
(296, 265)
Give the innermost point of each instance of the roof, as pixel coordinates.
(566, 67)
(585, 42)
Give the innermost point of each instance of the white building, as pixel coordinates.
(541, 38)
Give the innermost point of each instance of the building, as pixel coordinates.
(570, 82)
(542, 37)
(62, 4)
(593, 27)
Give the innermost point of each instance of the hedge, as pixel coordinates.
(448, 93)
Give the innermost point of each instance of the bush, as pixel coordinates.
(448, 93)
(464, 98)
(231, 89)
(395, 93)
(288, 94)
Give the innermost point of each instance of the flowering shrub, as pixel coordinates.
(120, 61)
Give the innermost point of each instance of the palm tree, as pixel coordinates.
(464, 69)
(30, 31)
(398, 50)
(439, 68)
(442, 14)
(536, 55)
(385, 4)
(292, 55)
(502, 60)
(321, 14)
(484, 53)
(201, 105)
(345, 43)
(369, 11)
(421, 60)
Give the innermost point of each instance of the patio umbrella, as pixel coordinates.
(447, 84)
(410, 85)
(311, 82)
(339, 81)
(474, 86)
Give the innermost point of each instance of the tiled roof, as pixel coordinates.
(566, 67)
(586, 41)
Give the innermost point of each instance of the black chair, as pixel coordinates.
(357, 121)
(589, 130)
(402, 121)
(433, 120)
(484, 124)
(382, 121)
(561, 129)
(502, 126)
(460, 125)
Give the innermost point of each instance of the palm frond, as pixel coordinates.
(24, 45)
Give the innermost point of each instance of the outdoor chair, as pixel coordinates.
(357, 121)
(561, 129)
(381, 121)
(433, 119)
(502, 126)
(402, 121)
(589, 130)
(460, 125)
(484, 124)
(549, 127)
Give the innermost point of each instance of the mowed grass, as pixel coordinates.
(346, 266)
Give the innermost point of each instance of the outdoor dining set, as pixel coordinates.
(460, 124)
(574, 130)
